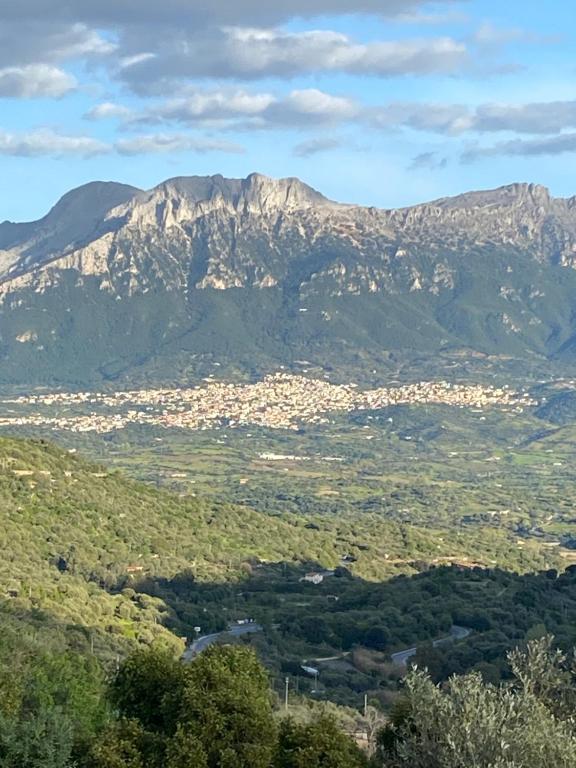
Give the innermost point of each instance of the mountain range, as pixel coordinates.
(120, 284)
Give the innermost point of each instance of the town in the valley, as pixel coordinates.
(278, 401)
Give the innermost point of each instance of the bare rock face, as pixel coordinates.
(78, 217)
(492, 270)
(239, 227)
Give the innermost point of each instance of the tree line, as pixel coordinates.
(59, 710)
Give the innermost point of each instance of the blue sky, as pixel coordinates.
(380, 102)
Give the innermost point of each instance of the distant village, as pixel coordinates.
(279, 401)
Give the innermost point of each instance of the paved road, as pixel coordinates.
(400, 657)
(456, 633)
(236, 630)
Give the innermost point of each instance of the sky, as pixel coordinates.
(377, 102)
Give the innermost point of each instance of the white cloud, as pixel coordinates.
(547, 117)
(431, 161)
(173, 143)
(253, 53)
(435, 118)
(554, 145)
(310, 107)
(31, 41)
(130, 61)
(432, 19)
(317, 146)
(108, 110)
(454, 119)
(154, 47)
(228, 108)
(201, 106)
(35, 81)
(194, 13)
(49, 143)
(189, 38)
(489, 35)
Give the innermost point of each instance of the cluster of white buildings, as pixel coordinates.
(279, 401)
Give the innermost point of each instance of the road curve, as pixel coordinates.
(456, 633)
(236, 630)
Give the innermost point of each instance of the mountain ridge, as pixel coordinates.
(514, 189)
(258, 272)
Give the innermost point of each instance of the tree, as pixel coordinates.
(470, 723)
(43, 739)
(315, 629)
(377, 638)
(185, 750)
(148, 688)
(320, 744)
(431, 659)
(226, 708)
(125, 744)
(71, 683)
(542, 671)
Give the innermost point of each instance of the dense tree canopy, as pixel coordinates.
(320, 743)
(527, 723)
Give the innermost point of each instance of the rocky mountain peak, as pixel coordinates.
(510, 196)
(187, 198)
(281, 193)
(78, 217)
(265, 269)
(256, 192)
(88, 202)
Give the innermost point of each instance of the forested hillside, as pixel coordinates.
(98, 566)
(57, 711)
(78, 536)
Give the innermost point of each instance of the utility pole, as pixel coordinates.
(287, 684)
(365, 704)
(315, 681)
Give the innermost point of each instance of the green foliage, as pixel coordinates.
(53, 699)
(340, 621)
(110, 564)
(226, 705)
(148, 688)
(560, 409)
(223, 719)
(470, 723)
(40, 738)
(125, 744)
(185, 750)
(78, 538)
(320, 744)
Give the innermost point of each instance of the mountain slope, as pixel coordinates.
(255, 273)
(73, 534)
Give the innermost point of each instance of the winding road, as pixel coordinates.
(236, 630)
(456, 633)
